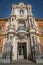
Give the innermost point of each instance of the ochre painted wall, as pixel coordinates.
(40, 25)
(2, 33)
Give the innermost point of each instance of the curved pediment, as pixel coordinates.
(21, 4)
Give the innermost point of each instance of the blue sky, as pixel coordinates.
(5, 7)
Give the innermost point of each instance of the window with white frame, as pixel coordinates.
(42, 30)
(0, 29)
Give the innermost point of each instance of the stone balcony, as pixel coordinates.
(21, 31)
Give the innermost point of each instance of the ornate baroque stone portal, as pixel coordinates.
(21, 30)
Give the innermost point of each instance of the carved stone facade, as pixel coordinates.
(21, 34)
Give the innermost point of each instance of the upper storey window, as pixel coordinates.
(42, 29)
(0, 29)
(21, 11)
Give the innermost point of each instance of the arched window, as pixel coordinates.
(22, 25)
(21, 11)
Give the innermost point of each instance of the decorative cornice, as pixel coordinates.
(3, 19)
(39, 19)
